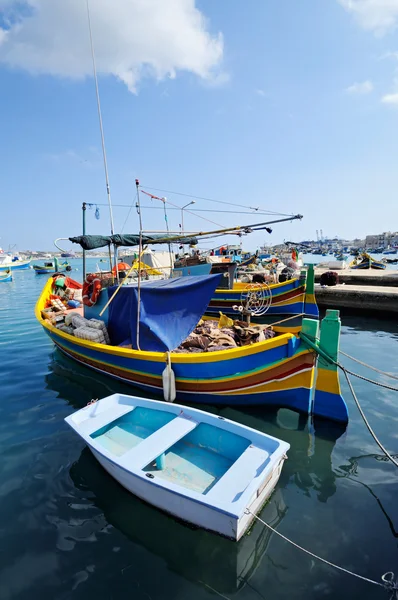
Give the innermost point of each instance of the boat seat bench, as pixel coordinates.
(239, 475)
(104, 417)
(157, 443)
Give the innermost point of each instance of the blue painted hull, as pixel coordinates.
(5, 279)
(15, 266)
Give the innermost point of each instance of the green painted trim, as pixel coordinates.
(310, 289)
(330, 339)
(310, 328)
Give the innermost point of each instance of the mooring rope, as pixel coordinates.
(388, 579)
(369, 366)
(376, 439)
(346, 372)
(383, 385)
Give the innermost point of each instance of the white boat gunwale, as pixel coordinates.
(232, 508)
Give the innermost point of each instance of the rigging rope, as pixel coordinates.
(175, 207)
(388, 579)
(180, 208)
(253, 208)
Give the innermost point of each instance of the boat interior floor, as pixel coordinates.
(192, 467)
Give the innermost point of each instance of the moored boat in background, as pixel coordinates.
(52, 266)
(366, 261)
(8, 261)
(5, 276)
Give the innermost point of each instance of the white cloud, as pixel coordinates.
(390, 99)
(261, 93)
(379, 16)
(132, 39)
(360, 88)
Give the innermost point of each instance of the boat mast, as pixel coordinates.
(108, 191)
(84, 233)
(138, 206)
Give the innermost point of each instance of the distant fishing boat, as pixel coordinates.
(196, 466)
(68, 255)
(365, 261)
(51, 267)
(6, 276)
(8, 261)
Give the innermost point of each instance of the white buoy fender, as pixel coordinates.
(169, 382)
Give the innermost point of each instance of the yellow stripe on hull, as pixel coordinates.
(328, 381)
(291, 300)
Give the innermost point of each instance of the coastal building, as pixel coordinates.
(382, 240)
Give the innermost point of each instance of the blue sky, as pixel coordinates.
(291, 106)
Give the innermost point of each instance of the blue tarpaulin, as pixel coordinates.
(169, 311)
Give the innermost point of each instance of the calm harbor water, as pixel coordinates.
(68, 530)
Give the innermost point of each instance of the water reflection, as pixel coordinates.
(351, 472)
(198, 556)
(195, 554)
(310, 458)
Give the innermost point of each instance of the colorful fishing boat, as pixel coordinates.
(15, 263)
(277, 372)
(52, 266)
(286, 303)
(208, 471)
(365, 261)
(289, 301)
(6, 276)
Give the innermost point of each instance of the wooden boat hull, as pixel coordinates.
(267, 376)
(44, 271)
(369, 265)
(366, 262)
(276, 372)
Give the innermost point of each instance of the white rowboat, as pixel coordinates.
(199, 467)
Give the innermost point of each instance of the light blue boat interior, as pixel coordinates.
(197, 461)
(200, 458)
(126, 432)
